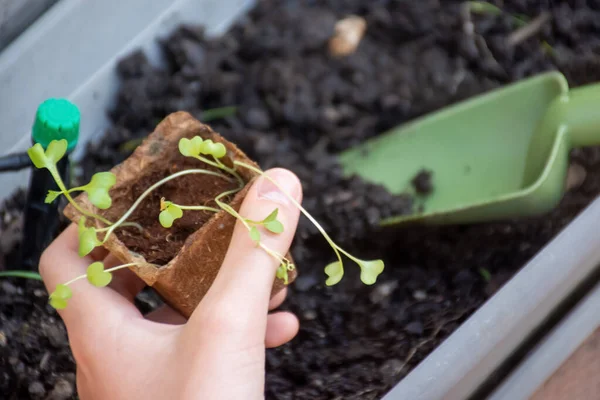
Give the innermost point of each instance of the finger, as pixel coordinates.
(124, 281)
(89, 306)
(281, 328)
(243, 286)
(278, 299)
(166, 315)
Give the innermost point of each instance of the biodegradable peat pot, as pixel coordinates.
(180, 262)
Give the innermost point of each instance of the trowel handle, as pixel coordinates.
(579, 110)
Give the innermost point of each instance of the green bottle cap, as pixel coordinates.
(56, 119)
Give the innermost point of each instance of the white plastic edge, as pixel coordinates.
(468, 356)
(72, 51)
(553, 351)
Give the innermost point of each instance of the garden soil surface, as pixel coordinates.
(296, 107)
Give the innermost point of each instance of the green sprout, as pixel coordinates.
(270, 222)
(484, 8)
(170, 211)
(95, 275)
(21, 274)
(208, 152)
(370, 269)
(58, 298)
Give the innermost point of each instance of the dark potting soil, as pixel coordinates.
(158, 244)
(296, 107)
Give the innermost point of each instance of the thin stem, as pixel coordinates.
(63, 189)
(124, 224)
(199, 208)
(310, 218)
(107, 270)
(151, 188)
(281, 259)
(121, 267)
(230, 209)
(220, 165)
(75, 279)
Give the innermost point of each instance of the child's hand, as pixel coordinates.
(219, 353)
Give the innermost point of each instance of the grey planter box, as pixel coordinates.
(72, 50)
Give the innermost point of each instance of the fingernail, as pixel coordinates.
(287, 182)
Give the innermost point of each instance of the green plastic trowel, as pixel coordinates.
(500, 155)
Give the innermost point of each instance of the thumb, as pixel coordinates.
(243, 286)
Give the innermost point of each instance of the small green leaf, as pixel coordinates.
(370, 270)
(63, 291)
(335, 272)
(274, 226)
(98, 189)
(56, 150)
(88, 241)
(58, 303)
(97, 276)
(219, 150)
(186, 148)
(51, 196)
(46, 159)
(196, 144)
(282, 273)
(255, 234)
(272, 216)
(485, 274)
(170, 212)
(100, 198)
(37, 155)
(206, 146)
(58, 298)
(104, 180)
(190, 148)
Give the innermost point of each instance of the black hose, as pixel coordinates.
(15, 162)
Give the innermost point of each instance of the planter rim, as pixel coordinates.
(553, 351)
(463, 362)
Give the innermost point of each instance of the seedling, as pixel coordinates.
(208, 152)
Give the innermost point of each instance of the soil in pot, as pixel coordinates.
(296, 107)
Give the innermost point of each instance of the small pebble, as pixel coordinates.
(36, 389)
(3, 340)
(309, 315)
(575, 176)
(414, 328)
(8, 288)
(348, 34)
(258, 118)
(55, 335)
(305, 282)
(63, 390)
(382, 291)
(419, 295)
(391, 367)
